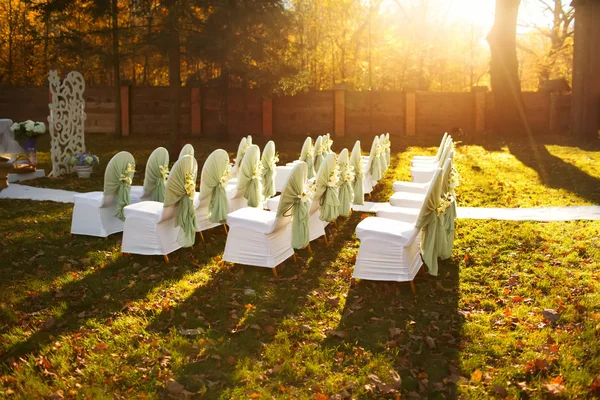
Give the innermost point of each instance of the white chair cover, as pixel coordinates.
(150, 227)
(94, 213)
(187, 150)
(263, 238)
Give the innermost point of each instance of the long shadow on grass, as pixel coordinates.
(556, 173)
(239, 326)
(419, 333)
(105, 292)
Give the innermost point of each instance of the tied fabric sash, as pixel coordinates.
(186, 219)
(122, 199)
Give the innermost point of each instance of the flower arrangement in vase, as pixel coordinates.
(83, 164)
(27, 133)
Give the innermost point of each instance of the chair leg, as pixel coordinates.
(295, 260)
(202, 237)
(412, 286)
(166, 257)
(325, 238)
(225, 228)
(275, 272)
(309, 249)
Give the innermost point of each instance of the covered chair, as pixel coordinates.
(421, 173)
(269, 162)
(357, 184)
(388, 149)
(101, 213)
(242, 147)
(373, 167)
(213, 203)
(326, 191)
(318, 153)
(432, 158)
(187, 150)
(267, 238)
(157, 171)
(412, 198)
(284, 171)
(327, 143)
(153, 228)
(390, 250)
(345, 184)
(382, 158)
(248, 187)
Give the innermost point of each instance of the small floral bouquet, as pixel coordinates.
(334, 178)
(445, 203)
(164, 171)
(28, 129)
(257, 170)
(190, 185)
(226, 176)
(454, 179)
(127, 176)
(307, 192)
(83, 160)
(348, 174)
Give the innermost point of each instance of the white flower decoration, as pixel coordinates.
(226, 176)
(164, 171)
(190, 185)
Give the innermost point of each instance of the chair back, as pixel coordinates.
(213, 180)
(308, 156)
(179, 198)
(187, 150)
(157, 171)
(326, 191)
(357, 163)
(295, 202)
(269, 162)
(249, 177)
(117, 181)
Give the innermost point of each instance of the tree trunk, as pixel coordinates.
(116, 65)
(510, 113)
(223, 103)
(10, 42)
(174, 91)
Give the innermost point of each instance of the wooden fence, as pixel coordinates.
(145, 110)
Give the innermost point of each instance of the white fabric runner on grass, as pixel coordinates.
(16, 191)
(508, 214)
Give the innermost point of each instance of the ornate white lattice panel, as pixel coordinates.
(67, 119)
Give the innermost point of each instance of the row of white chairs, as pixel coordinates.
(392, 244)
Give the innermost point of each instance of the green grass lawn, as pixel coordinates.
(515, 312)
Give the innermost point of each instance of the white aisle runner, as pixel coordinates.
(15, 191)
(509, 214)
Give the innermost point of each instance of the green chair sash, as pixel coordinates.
(215, 174)
(388, 149)
(242, 147)
(187, 150)
(318, 149)
(308, 156)
(346, 190)
(180, 191)
(375, 161)
(117, 180)
(249, 177)
(295, 201)
(326, 191)
(157, 171)
(269, 162)
(429, 221)
(357, 183)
